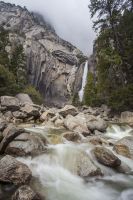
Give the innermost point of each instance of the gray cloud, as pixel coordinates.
(70, 18)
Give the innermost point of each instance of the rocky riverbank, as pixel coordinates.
(81, 126)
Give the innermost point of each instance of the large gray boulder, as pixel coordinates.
(127, 117)
(26, 144)
(11, 103)
(95, 123)
(13, 171)
(86, 167)
(76, 124)
(25, 193)
(24, 98)
(106, 157)
(68, 110)
(30, 110)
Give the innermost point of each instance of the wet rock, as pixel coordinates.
(24, 98)
(25, 193)
(26, 145)
(11, 103)
(19, 115)
(11, 134)
(68, 110)
(76, 124)
(30, 110)
(59, 123)
(97, 140)
(125, 146)
(71, 136)
(13, 171)
(122, 150)
(95, 123)
(85, 167)
(127, 117)
(106, 157)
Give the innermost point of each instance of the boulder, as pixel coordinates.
(11, 103)
(25, 193)
(19, 115)
(49, 114)
(86, 167)
(76, 124)
(59, 123)
(127, 117)
(24, 98)
(125, 146)
(30, 110)
(71, 136)
(11, 134)
(95, 123)
(68, 110)
(26, 145)
(13, 171)
(97, 140)
(106, 157)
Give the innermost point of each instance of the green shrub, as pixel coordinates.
(8, 84)
(34, 94)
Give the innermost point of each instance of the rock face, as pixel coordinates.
(52, 63)
(13, 171)
(25, 193)
(127, 117)
(106, 157)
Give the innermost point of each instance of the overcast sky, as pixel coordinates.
(70, 18)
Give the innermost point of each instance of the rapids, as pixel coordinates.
(55, 178)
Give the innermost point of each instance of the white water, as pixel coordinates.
(116, 132)
(56, 178)
(84, 80)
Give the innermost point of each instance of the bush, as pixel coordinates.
(34, 94)
(8, 84)
(122, 98)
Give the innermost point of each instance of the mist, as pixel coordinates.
(70, 18)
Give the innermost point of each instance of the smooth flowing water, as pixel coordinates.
(55, 177)
(84, 80)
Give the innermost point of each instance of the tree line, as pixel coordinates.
(113, 82)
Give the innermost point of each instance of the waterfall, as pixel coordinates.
(84, 80)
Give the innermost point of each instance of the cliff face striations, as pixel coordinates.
(53, 65)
